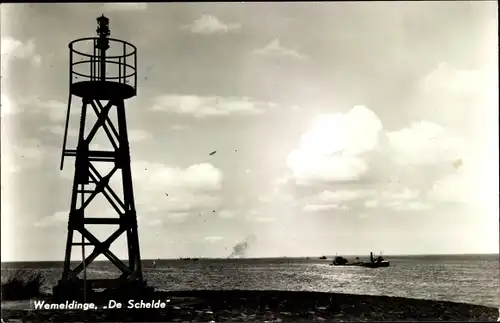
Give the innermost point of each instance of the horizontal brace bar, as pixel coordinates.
(69, 153)
(101, 153)
(91, 153)
(102, 221)
(85, 191)
(101, 159)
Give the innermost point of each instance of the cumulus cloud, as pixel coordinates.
(208, 25)
(200, 176)
(330, 200)
(466, 184)
(176, 193)
(400, 198)
(446, 78)
(275, 48)
(395, 197)
(167, 194)
(464, 96)
(424, 143)
(211, 106)
(410, 169)
(344, 147)
(333, 149)
(12, 48)
(56, 111)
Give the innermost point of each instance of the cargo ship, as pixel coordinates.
(374, 262)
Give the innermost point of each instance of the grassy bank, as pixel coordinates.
(20, 284)
(271, 306)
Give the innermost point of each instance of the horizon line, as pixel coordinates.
(273, 257)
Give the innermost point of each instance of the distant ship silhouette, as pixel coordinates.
(374, 262)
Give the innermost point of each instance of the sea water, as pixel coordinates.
(466, 278)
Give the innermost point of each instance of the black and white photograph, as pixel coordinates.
(316, 161)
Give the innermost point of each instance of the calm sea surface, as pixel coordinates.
(465, 278)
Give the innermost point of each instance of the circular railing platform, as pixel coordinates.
(86, 65)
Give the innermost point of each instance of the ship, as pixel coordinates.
(374, 262)
(339, 261)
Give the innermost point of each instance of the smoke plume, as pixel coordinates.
(240, 249)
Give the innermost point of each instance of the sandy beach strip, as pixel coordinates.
(263, 306)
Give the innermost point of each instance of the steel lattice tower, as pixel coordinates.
(98, 86)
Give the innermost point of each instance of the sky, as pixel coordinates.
(339, 127)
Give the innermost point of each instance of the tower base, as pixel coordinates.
(111, 289)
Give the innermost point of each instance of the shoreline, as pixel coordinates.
(261, 306)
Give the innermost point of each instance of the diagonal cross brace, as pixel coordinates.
(102, 189)
(102, 248)
(101, 112)
(104, 182)
(108, 121)
(102, 117)
(97, 177)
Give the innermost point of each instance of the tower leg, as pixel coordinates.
(86, 174)
(128, 192)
